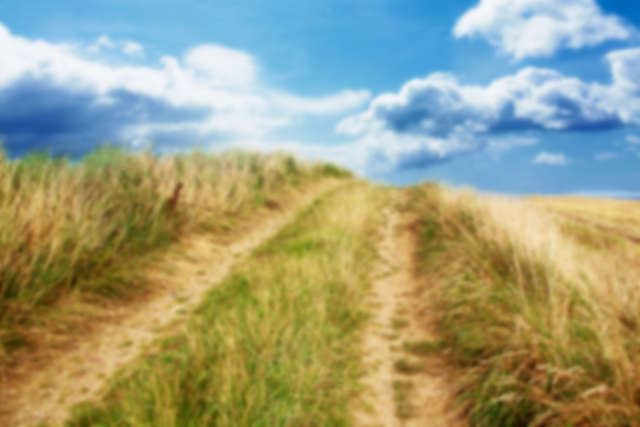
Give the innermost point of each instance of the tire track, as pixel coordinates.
(404, 388)
(83, 373)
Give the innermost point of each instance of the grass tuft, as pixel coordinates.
(406, 366)
(80, 231)
(424, 348)
(541, 320)
(277, 343)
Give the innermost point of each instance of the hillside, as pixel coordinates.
(258, 290)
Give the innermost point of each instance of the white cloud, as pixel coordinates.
(389, 151)
(463, 117)
(103, 42)
(339, 102)
(53, 92)
(606, 156)
(539, 28)
(222, 65)
(133, 49)
(632, 139)
(349, 155)
(552, 159)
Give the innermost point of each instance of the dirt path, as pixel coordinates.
(82, 373)
(405, 387)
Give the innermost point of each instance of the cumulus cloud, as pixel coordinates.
(539, 28)
(441, 118)
(632, 139)
(552, 159)
(52, 95)
(222, 65)
(103, 42)
(133, 49)
(331, 104)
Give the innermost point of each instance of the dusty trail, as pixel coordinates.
(404, 389)
(82, 373)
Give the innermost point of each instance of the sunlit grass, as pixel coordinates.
(544, 325)
(615, 219)
(275, 344)
(81, 229)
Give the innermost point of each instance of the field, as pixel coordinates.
(620, 218)
(538, 310)
(258, 290)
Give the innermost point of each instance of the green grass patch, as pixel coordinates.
(536, 342)
(399, 323)
(424, 348)
(406, 366)
(88, 228)
(277, 343)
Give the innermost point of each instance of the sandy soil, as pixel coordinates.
(394, 397)
(82, 372)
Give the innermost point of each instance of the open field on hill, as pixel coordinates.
(544, 327)
(180, 277)
(616, 218)
(256, 290)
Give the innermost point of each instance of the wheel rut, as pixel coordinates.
(83, 372)
(407, 383)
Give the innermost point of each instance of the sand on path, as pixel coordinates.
(82, 372)
(402, 389)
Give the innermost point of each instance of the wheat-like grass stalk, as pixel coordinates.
(546, 328)
(78, 228)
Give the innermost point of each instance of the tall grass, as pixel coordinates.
(275, 344)
(545, 328)
(79, 228)
(619, 216)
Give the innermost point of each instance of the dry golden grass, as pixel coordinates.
(545, 327)
(82, 229)
(618, 217)
(277, 343)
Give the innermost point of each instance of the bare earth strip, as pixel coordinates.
(403, 389)
(82, 373)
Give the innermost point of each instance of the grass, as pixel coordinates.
(602, 223)
(401, 392)
(399, 323)
(406, 366)
(543, 325)
(423, 348)
(276, 344)
(82, 230)
(536, 302)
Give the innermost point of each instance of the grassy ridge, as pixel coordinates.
(275, 344)
(80, 229)
(544, 328)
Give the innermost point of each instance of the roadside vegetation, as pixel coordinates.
(544, 328)
(277, 343)
(82, 231)
(535, 302)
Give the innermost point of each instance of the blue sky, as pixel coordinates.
(515, 96)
